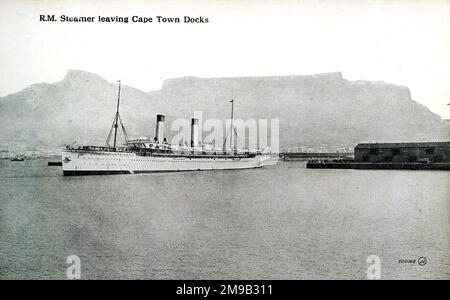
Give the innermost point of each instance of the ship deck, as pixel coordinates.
(160, 153)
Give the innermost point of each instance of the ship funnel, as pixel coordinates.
(159, 128)
(194, 133)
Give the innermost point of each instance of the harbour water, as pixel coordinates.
(281, 222)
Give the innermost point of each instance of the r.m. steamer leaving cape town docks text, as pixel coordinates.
(123, 19)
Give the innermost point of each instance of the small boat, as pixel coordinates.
(16, 158)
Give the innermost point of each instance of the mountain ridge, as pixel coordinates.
(319, 109)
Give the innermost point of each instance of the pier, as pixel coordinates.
(391, 156)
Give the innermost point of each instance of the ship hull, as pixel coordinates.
(76, 163)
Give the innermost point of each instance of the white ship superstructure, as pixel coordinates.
(145, 155)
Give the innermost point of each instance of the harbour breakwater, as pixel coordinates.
(377, 166)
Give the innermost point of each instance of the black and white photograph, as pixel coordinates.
(240, 142)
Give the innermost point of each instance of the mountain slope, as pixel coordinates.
(320, 109)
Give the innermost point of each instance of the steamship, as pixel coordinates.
(145, 155)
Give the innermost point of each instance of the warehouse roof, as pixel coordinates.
(403, 145)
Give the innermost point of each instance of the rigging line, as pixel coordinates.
(123, 129)
(237, 138)
(225, 141)
(108, 139)
(230, 133)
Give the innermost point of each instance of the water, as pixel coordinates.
(283, 222)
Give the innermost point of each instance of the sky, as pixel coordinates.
(401, 42)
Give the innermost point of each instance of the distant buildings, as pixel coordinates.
(437, 152)
(320, 148)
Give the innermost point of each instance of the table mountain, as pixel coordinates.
(323, 109)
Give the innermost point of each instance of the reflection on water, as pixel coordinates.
(282, 222)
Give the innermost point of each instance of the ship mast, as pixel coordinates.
(115, 125)
(231, 126)
(117, 117)
(231, 131)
